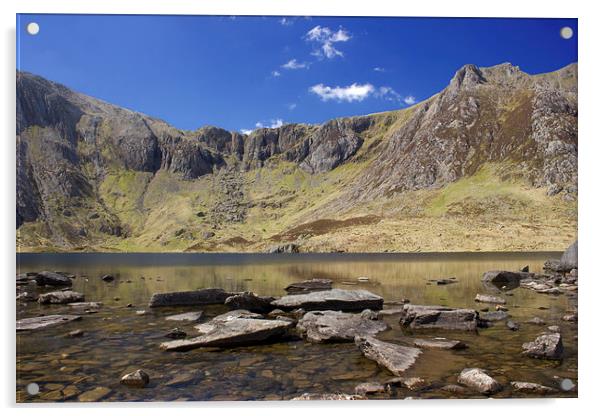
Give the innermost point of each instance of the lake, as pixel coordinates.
(118, 340)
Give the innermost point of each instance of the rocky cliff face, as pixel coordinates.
(70, 146)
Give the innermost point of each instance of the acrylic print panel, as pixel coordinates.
(275, 208)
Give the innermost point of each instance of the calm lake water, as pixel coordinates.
(117, 340)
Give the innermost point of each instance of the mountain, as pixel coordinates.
(489, 163)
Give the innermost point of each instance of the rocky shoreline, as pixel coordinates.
(315, 312)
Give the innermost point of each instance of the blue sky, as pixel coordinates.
(240, 73)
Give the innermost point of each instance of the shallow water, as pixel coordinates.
(117, 340)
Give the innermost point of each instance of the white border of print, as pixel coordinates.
(590, 34)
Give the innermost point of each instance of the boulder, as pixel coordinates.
(309, 286)
(534, 388)
(501, 278)
(46, 278)
(284, 248)
(479, 380)
(138, 379)
(251, 302)
(334, 299)
(489, 299)
(569, 258)
(395, 358)
(190, 298)
(334, 326)
(40, 322)
(187, 316)
(440, 344)
(546, 346)
(438, 317)
(61, 297)
(232, 331)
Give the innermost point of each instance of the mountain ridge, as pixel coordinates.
(71, 147)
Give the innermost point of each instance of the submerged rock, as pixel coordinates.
(138, 378)
(477, 379)
(95, 394)
(331, 396)
(187, 316)
(526, 387)
(175, 333)
(190, 298)
(395, 358)
(438, 317)
(46, 278)
(44, 321)
(251, 302)
(309, 286)
(334, 299)
(547, 346)
(231, 331)
(334, 326)
(489, 299)
(61, 297)
(512, 326)
(440, 343)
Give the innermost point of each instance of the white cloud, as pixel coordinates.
(293, 64)
(410, 100)
(326, 39)
(291, 106)
(354, 92)
(246, 131)
(285, 22)
(276, 74)
(379, 69)
(388, 94)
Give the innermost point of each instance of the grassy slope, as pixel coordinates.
(481, 212)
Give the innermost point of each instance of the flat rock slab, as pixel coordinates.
(40, 322)
(187, 316)
(309, 286)
(334, 326)
(440, 344)
(251, 302)
(61, 297)
(85, 305)
(395, 358)
(334, 299)
(232, 333)
(438, 317)
(547, 346)
(493, 316)
(477, 379)
(46, 278)
(534, 388)
(489, 299)
(190, 298)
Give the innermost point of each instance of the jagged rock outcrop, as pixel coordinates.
(69, 143)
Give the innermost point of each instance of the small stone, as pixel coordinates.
(108, 278)
(138, 379)
(570, 317)
(76, 333)
(175, 333)
(140, 312)
(554, 328)
(526, 387)
(477, 379)
(415, 383)
(536, 321)
(370, 388)
(511, 325)
(489, 299)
